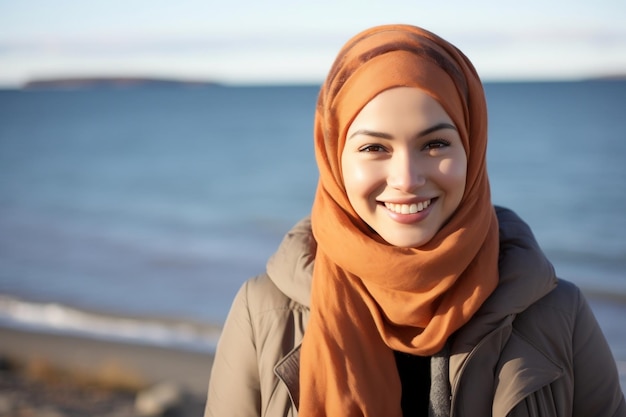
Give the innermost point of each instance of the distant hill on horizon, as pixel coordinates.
(87, 82)
(110, 82)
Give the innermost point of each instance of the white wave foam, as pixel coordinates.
(58, 318)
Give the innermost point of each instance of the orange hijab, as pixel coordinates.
(368, 297)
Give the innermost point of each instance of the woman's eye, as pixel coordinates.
(372, 148)
(436, 144)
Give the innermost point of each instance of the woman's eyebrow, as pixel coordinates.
(367, 132)
(436, 128)
(383, 135)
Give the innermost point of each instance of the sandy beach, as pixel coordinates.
(44, 374)
(55, 375)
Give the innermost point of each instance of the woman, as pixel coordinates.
(418, 297)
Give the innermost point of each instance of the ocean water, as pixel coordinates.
(137, 213)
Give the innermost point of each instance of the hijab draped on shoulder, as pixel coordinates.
(370, 298)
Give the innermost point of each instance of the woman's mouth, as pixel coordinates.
(408, 208)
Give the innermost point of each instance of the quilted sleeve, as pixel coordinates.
(597, 389)
(234, 387)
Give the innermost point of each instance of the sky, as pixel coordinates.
(281, 41)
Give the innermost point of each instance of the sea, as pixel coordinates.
(135, 214)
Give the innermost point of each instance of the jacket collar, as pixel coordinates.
(291, 267)
(288, 371)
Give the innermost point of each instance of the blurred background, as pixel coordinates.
(153, 153)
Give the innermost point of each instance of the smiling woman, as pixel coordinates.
(404, 175)
(407, 292)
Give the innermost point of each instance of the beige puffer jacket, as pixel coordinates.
(534, 348)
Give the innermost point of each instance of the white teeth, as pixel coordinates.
(408, 208)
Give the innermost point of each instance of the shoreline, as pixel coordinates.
(94, 351)
(109, 362)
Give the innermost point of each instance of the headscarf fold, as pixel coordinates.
(368, 297)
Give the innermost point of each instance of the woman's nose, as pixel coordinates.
(405, 172)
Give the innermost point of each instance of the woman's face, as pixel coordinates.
(404, 166)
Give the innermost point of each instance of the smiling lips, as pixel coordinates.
(408, 208)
